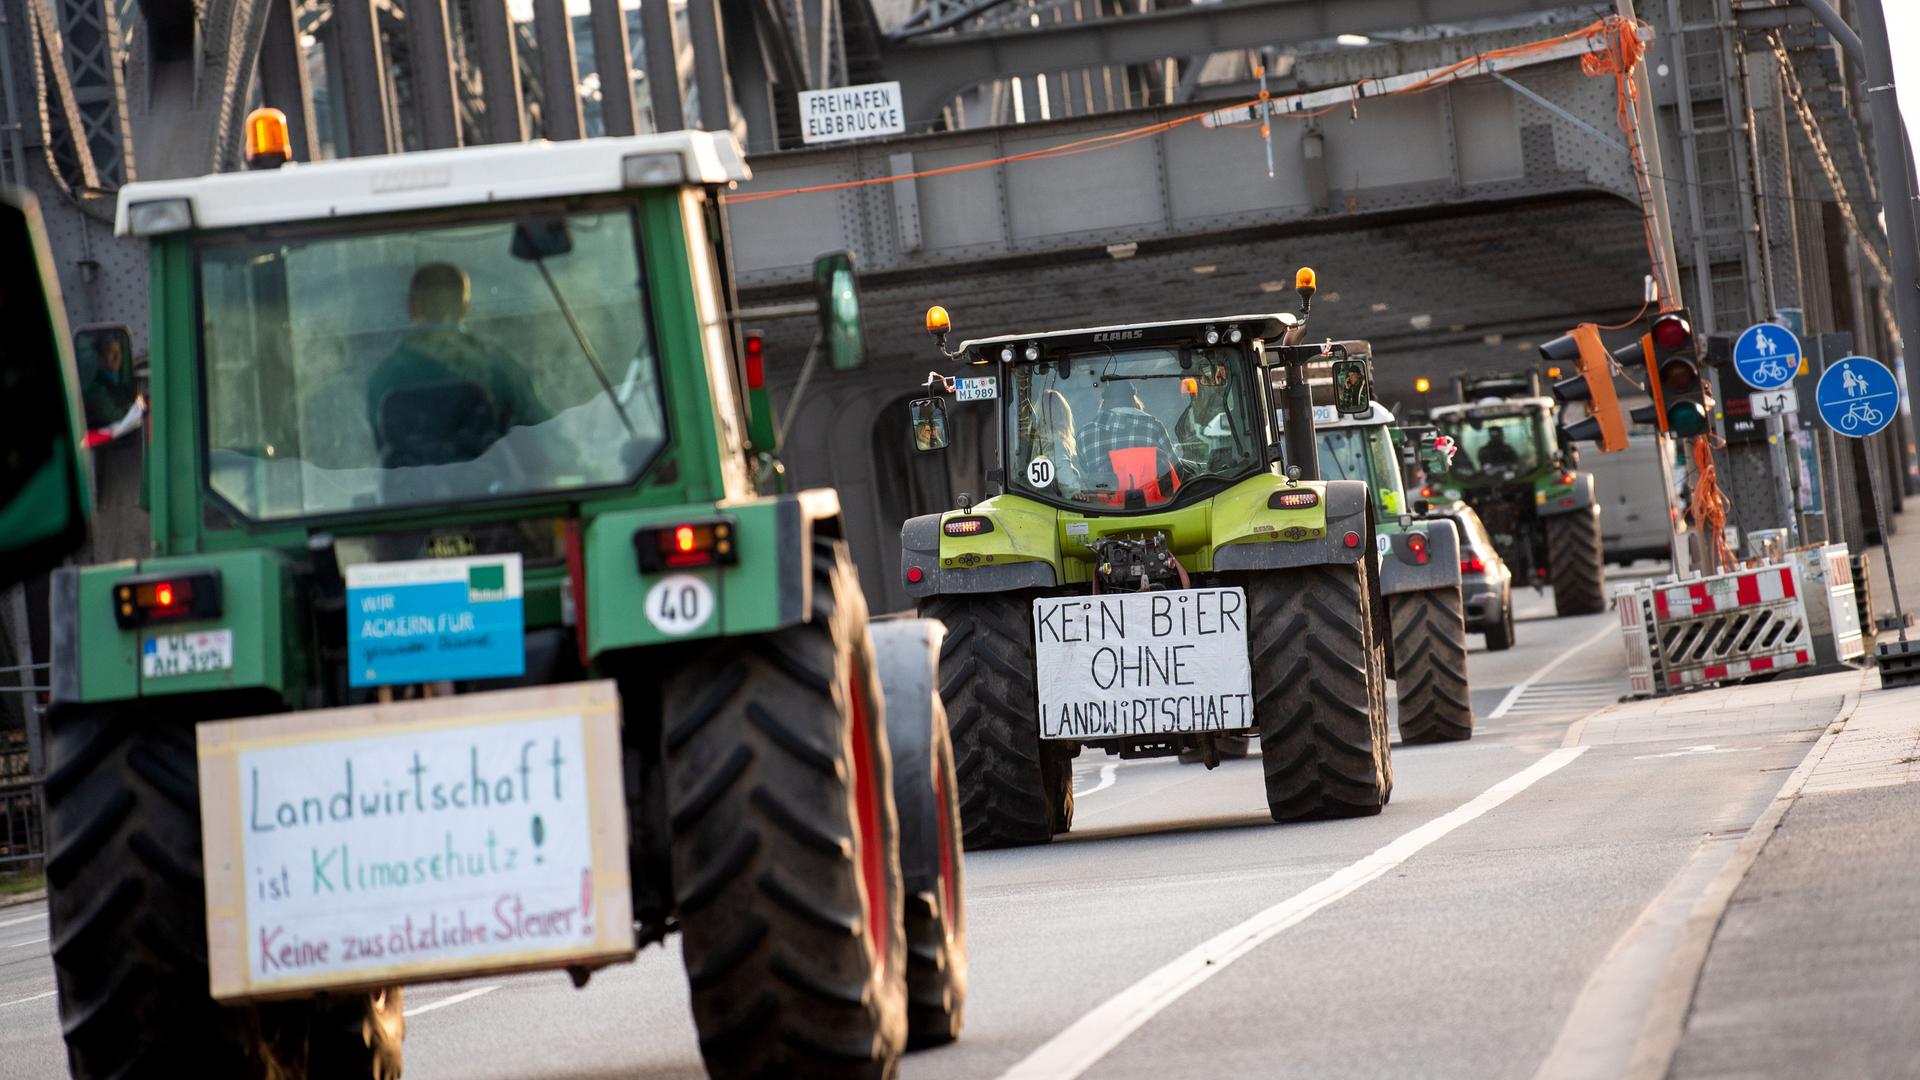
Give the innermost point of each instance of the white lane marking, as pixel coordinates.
(454, 1000)
(17, 922)
(1088, 1039)
(24, 1000)
(1696, 751)
(1513, 695)
(1106, 780)
(29, 941)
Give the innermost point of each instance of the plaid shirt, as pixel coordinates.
(1121, 429)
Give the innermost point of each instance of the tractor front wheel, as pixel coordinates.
(1319, 688)
(1013, 789)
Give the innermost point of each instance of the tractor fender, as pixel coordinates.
(1402, 571)
(1578, 500)
(1347, 503)
(920, 549)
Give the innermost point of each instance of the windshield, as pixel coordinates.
(1364, 454)
(1131, 428)
(1493, 447)
(430, 364)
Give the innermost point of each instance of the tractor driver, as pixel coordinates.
(444, 395)
(1498, 453)
(1123, 424)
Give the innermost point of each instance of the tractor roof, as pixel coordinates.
(1262, 327)
(427, 179)
(1492, 407)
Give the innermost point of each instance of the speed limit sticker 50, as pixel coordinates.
(679, 604)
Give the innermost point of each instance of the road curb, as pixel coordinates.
(1672, 1002)
(23, 898)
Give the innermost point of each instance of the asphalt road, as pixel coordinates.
(1177, 931)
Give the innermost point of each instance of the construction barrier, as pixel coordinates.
(1798, 613)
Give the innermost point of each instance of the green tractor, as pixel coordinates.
(442, 444)
(1419, 571)
(1151, 581)
(1522, 478)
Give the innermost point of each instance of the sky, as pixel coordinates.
(1903, 30)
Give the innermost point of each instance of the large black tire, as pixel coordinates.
(127, 909)
(1013, 790)
(1319, 687)
(928, 799)
(1575, 567)
(1430, 665)
(786, 864)
(1500, 636)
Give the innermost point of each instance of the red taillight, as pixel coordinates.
(695, 543)
(1473, 565)
(1417, 543)
(915, 575)
(1293, 500)
(163, 595)
(189, 595)
(1426, 493)
(756, 362)
(1566, 478)
(970, 526)
(1352, 539)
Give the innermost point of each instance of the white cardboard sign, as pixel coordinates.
(851, 112)
(425, 846)
(1171, 662)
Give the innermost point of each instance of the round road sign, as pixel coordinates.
(1857, 396)
(1767, 356)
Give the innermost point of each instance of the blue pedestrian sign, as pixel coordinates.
(1767, 356)
(1857, 396)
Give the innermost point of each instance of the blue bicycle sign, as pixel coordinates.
(1857, 396)
(1767, 356)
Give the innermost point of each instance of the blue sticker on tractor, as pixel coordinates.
(435, 619)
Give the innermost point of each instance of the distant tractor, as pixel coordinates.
(1419, 573)
(1151, 581)
(468, 548)
(1514, 470)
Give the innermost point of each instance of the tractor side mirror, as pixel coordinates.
(929, 420)
(44, 503)
(1352, 387)
(837, 291)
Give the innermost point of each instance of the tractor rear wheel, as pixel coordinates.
(1013, 789)
(1575, 566)
(1319, 688)
(127, 909)
(786, 863)
(1430, 665)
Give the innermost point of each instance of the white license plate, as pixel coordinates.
(187, 654)
(984, 388)
(1157, 663)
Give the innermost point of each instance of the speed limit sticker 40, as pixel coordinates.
(679, 604)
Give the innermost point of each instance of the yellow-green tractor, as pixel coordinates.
(1151, 581)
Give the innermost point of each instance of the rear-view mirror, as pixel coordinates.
(542, 237)
(1352, 387)
(837, 291)
(44, 503)
(929, 420)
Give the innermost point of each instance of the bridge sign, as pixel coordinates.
(1767, 356)
(1857, 397)
(844, 113)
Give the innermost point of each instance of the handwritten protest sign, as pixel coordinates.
(1171, 662)
(415, 840)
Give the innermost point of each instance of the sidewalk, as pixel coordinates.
(1815, 967)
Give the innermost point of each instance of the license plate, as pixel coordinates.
(983, 388)
(187, 654)
(1157, 663)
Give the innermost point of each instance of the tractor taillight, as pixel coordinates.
(152, 598)
(1293, 500)
(709, 542)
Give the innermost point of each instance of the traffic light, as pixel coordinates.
(1682, 402)
(1581, 348)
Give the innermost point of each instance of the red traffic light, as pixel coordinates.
(1670, 331)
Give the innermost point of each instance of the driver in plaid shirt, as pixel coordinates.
(1121, 424)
